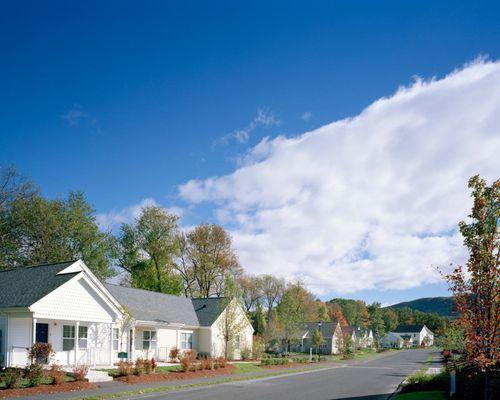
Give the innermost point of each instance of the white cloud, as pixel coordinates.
(263, 118)
(370, 202)
(306, 116)
(113, 219)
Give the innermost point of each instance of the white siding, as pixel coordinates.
(167, 339)
(204, 341)
(74, 301)
(19, 334)
(246, 335)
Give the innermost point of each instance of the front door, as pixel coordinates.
(42, 333)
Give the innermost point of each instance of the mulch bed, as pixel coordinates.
(47, 389)
(175, 375)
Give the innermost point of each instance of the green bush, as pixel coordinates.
(140, 366)
(246, 353)
(12, 378)
(274, 361)
(34, 374)
(421, 381)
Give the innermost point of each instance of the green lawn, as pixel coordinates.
(242, 368)
(434, 395)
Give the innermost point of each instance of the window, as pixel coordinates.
(68, 337)
(237, 342)
(186, 340)
(83, 332)
(116, 339)
(148, 340)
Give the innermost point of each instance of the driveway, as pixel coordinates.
(368, 380)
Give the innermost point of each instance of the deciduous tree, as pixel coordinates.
(476, 287)
(148, 248)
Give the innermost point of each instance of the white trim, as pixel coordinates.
(117, 310)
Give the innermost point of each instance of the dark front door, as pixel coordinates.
(42, 333)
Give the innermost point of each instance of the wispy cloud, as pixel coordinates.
(369, 202)
(263, 118)
(77, 115)
(306, 116)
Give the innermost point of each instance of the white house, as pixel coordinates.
(407, 336)
(88, 322)
(332, 336)
(392, 340)
(364, 337)
(419, 335)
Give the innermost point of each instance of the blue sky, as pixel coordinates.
(129, 101)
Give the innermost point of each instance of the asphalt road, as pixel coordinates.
(369, 380)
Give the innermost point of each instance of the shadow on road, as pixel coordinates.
(384, 396)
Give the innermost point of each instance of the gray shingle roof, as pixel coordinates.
(408, 328)
(209, 309)
(22, 287)
(327, 328)
(145, 305)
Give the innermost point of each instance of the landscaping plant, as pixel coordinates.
(140, 366)
(40, 353)
(174, 354)
(12, 378)
(57, 374)
(125, 368)
(34, 374)
(80, 372)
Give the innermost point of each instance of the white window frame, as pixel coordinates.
(83, 337)
(149, 337)
(186, 340)
(116, 339)
(68, 336)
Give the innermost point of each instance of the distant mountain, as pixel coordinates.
(440, 305)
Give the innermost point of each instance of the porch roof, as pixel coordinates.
(22, 287)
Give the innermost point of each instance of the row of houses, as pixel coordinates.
(89, 322)
(333, 335)
(404, 336)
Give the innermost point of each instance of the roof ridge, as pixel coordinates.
(146, 290)
(37, 265)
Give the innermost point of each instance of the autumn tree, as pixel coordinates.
(147, 250)
(362, 318)
(476, 286)
(390, 317)
(207, 258)
(335, 313)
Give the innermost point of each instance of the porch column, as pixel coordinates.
(77, 328)
(110, 344)
(132, 345)
(33, 333)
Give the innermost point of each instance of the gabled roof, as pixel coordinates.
(327, 328)
(409, 328)
(209, 309)
(22, 287)
(145, 305)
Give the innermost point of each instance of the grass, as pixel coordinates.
(242, 368)
(434, 395)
